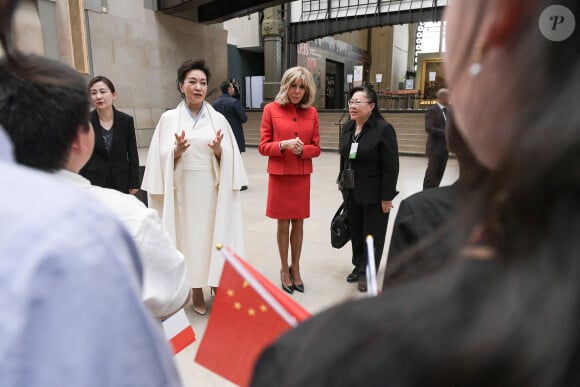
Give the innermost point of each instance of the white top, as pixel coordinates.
(165, 284)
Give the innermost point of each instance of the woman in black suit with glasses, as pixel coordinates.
(368, 146)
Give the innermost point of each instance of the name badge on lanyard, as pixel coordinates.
(353, 150)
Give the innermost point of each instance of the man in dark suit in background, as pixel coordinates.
(231, 108)
(435, 122)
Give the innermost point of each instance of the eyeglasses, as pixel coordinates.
(356, 103)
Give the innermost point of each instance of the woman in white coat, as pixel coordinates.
(193, 177)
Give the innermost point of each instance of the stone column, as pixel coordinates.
(64, 32)
(27, 29)
(414, 47)
(272, 30)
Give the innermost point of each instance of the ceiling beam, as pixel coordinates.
(305, 31)
(220, 10)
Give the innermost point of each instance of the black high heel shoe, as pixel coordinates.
(287, 288)
(297, 287)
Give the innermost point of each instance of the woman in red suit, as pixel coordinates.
(290, 138)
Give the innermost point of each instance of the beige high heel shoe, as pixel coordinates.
(199, 305)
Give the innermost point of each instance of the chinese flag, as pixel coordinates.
(248, 313)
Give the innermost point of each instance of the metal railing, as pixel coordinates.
(404, 100)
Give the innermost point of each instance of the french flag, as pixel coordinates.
(178, 331)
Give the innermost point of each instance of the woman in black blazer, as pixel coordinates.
(115, 160)
(368, 146)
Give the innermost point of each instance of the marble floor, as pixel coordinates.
(323, 268)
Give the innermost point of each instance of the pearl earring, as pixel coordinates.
(475, 69)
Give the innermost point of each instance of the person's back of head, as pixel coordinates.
(443, 96)
(43, 103)
(225, 86)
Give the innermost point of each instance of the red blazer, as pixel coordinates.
(283, 123)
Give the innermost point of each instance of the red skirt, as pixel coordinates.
(288, 197)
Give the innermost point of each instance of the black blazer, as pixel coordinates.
(421, 216)
(376, 167)
(435, 126)
(122, 161)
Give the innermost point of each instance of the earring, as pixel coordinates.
(475, 69)
(476, 66)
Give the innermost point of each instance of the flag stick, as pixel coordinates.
(258, 287)
(371, 268)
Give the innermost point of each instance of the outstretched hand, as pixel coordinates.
(216, 143)
(181, 144)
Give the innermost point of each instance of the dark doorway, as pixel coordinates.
(334, 85)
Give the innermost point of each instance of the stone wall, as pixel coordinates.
(140, 51)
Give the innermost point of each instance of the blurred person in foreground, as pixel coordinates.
(193, 177)
(290, 137)
(52, 142)
(427, 217)
(506, 310)
(70, 285)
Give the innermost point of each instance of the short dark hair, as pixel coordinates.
(105, 80)
(224, 86)
(189, 65)
(43, 103)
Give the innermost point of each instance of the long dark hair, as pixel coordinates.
(521, 206)
(527, 197)
(527, 211)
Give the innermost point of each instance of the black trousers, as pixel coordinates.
(363, 220)
(435, 170)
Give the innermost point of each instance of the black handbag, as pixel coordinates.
(346, 178)
(339, 234)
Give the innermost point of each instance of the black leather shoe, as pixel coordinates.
(297, 287)
(353, 277)
(243, 188)
(362, 283)
(287, 288)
